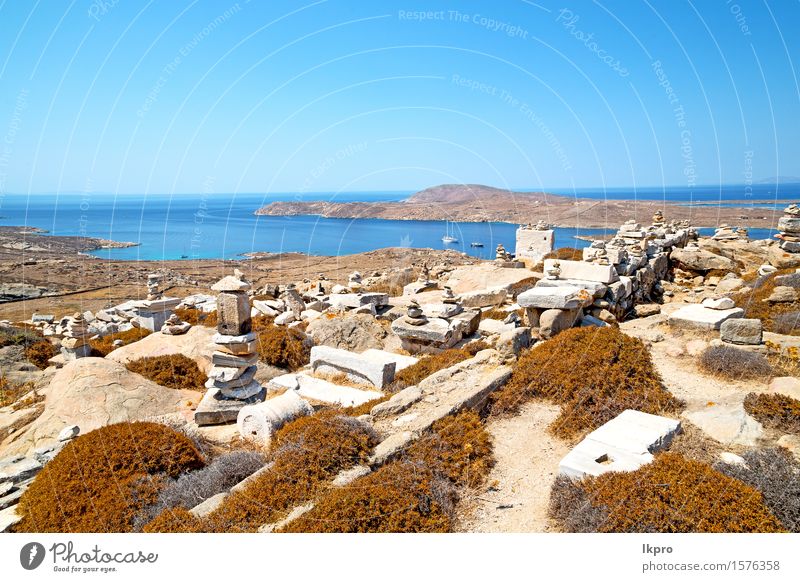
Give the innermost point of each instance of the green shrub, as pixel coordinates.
(593, 373)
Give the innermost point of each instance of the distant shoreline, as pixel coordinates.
(477, 203)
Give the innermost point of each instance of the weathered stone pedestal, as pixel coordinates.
(153, 314)
(534, 242)
(231, 381)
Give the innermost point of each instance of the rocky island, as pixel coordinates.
(478, 203)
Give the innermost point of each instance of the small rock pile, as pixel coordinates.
(75, 341)
(789, 229)
(174, 326)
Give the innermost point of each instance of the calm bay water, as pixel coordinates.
(224, 226)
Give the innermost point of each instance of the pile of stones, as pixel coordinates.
(231, 381)
(789, 229)
(75, 340)
(435, 326)
(174, 326)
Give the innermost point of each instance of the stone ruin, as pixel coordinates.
(789, 229)
(231, 382)
(503, 258)
(436, 326)
(611, 279)
(174, 326)
(154, 311)
(534, 241)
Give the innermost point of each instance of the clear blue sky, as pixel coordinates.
(133, 96)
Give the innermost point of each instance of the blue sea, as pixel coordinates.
(169, 227)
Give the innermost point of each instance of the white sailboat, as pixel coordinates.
(448, 238)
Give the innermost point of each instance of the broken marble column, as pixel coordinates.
(231, 382)
(75, 341)
(358, 367)
(258, 422)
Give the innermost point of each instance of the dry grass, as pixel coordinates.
(197, 316)
(776, 317)
(416, 493)
(669, 495)
(734, 363)
(307, 454)
(428, 365)
(100, 480)
(105, 345)
(39, 353)
(776, 474)
(173, 371)
(11, 392)
(283, 347)
(774, 411)
(593, 373)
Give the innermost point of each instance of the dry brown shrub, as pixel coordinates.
(776, 473)
(197, 316)
(458, 448)
(594, 373)
(176, 520)
(776, 317)
(283, 347)
(428, 365)
(774, 411)
(501, 314)
(306, 454)
(669, 495)
(11, 392)
(99, 481)
(173, 371)
(366, 407)
(415, 493)
(105, 345)
(39, 353)
(18, 336)
(734, 363)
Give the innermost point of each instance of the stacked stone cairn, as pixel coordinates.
(612, 278)
(231, 382)
(789, 229)
(174, 326)
(154, 311)
(75, 341)
(436, 326)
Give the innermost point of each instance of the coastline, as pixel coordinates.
(520, 209)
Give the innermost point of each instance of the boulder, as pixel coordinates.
(780, 259)
(554, 321)
(553, 298)
(354, 332)
(727, 423)
(719, 304)
(195, 344)
(741, 331)
(786, 385)
(782, 294)
(94, 392)
(729, 285)
(701, 260)
(484, 297)
(698, 317)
